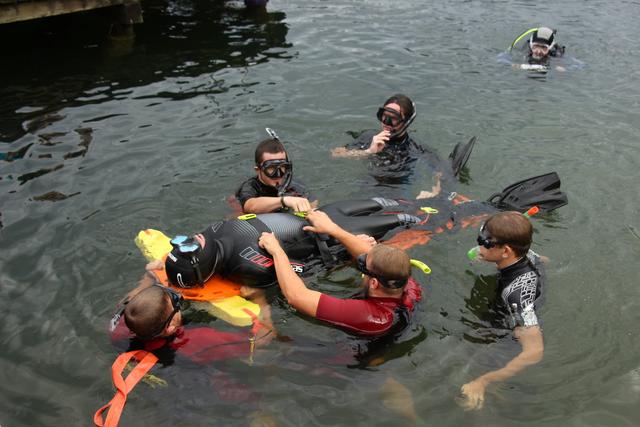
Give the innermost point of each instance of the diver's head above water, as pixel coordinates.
(396, 115)
(272, 163)
(505, 237)
(193, 260)
(543, 44)
(386, 271)
(153, 312)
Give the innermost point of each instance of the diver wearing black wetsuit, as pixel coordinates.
(231, 247)
(253, 187)
(520, 286)
(395, 148)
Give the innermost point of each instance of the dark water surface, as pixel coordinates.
(100, 139)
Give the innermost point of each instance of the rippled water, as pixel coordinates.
(99, 139)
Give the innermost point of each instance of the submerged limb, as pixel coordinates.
(397, 398)
(530, 339)
(435, 190)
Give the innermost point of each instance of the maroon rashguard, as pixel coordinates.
(369, 316)
(198, 344)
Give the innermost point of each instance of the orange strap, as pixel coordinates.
(124, 386)
(256, 322)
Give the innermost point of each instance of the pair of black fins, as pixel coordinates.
(542, 191)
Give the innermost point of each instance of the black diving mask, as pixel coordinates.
(485, 239)
(275, 168)
(361, 265)
(388, 116)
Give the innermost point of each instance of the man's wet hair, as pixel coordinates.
(390, 263)
(146, 311)
(271, 146)
(511, 228)
(405, 103)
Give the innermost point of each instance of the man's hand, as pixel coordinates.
(320, 223)
(298, 204)
(379, 141)
(269, 243)
(473, 395)
(154, 265)
(435, 190)
(368, 239)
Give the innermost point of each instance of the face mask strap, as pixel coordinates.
(407, 122)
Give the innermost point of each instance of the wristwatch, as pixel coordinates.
(282, 202)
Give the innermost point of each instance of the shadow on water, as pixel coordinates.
(485, 321)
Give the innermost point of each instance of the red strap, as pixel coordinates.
(124, 386)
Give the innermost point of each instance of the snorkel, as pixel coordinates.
(286, 182)
(405, 125)
(541, 35)
(521, 36)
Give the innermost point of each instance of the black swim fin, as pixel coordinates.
(460, 155)
(542, 191)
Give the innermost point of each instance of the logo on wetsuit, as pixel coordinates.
(256, 257)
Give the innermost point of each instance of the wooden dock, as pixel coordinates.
(129, 11)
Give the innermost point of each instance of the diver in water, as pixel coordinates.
(393, 140)
(394, 154)
(390, 292)
(539, 49)
(505, 239)
(273, 188)
(230, 248)
(543, 46)
(153, 314)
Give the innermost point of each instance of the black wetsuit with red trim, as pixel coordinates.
(241, 260)
(370, 316)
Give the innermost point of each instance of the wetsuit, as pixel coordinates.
(370, 316)
(397, 147)
(520, 286)
(400, 163)
(241, 260)
(396, 157)
(253, 187)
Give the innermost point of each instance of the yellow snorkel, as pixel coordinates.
(521, 36)
(421, 265)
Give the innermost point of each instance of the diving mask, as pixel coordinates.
(275, 168)
(388, 116)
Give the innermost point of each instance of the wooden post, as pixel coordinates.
(24, 11)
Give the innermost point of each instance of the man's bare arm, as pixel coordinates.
(530, 339)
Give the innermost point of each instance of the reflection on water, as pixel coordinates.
(178, 40)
